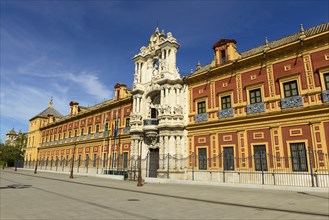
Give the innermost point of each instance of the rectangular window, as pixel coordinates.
(260, 157)
(106, 126)
(223, 56)
(298, 157)
(59, 136)
(127, 122)
(104, 159)
(97, 128)
(201, 107)
(69, 134)
(326, 80)
(255, 96)
(75, 133)
(228, 158)
(87, 160)
(67, 160)
(125, 160)
(82, 130)
(154, 113)
(64, 135)
(79, 160)
(226, 102)
(290, 89)
(202, 157)
(89, 130)
(95, 160)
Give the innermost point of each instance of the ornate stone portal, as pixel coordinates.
(158, 124)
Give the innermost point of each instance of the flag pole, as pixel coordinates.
(103, 143)
(115, 143)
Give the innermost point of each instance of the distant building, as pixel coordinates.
(11, 137)
(262, 110)
(47, 116)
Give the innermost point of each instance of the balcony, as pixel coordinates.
(152, 121)
(96, 135)
(225, 113)
(291, 102)
(150, 125)
(105, 133)
(81, 138)
(325, 96)
(201, 117)
(126, 130)
(88, 136)
(255, 108)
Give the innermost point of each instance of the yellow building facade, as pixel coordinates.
(85, 135)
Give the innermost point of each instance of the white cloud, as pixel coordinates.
(91, 83)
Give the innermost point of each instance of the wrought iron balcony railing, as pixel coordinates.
(255, 108)
(201, 117)
(151, 121)
(105, 133)
(225, 113)
(126, 130)
(325, 96)
(291, 102)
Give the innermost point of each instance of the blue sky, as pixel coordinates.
(78, 50)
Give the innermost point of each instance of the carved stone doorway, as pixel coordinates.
(154, 162)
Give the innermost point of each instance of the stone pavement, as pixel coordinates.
(25, 195)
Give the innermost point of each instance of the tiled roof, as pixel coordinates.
(274, 44)
(12, 132)
(49, 111)
(286, 40)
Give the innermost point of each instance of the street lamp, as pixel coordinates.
(36, 165)
(72, 164)
(139, 178)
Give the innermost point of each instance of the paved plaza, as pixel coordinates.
(25, 195)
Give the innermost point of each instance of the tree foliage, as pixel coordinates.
(10, 153)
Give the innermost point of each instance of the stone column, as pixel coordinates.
(178, 152)
(165, 152)
(167, 95)
(161, 152)
(178, 96)
(134, 104)
(137, 104)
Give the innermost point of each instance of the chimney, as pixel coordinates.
(74, 108)
(50, 119)
(225, 51)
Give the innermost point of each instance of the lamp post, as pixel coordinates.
(72, 164)
(36, 165)
(139, 178)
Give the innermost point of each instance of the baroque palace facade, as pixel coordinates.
(263, 110)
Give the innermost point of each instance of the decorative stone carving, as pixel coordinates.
(170, 37)
(178, 110)
(151, 138)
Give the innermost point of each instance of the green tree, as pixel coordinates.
(10, 153)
